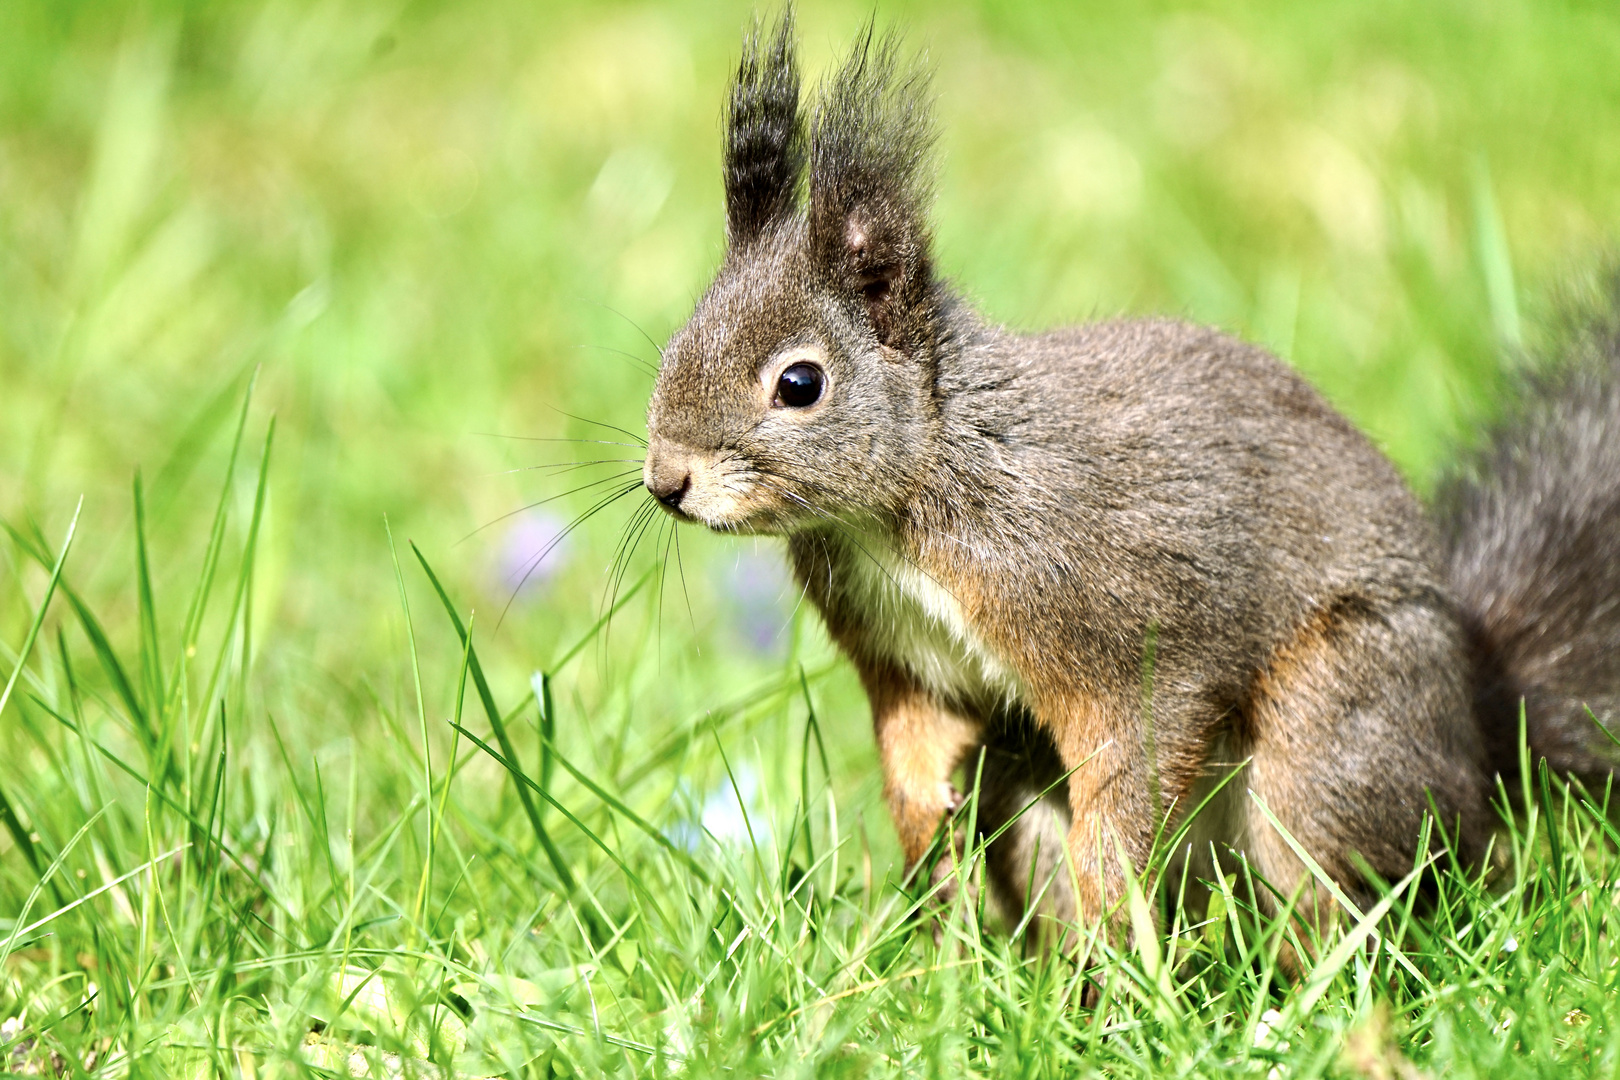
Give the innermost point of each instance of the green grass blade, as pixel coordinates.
(619, 807)
(498, 724)
(421, 715)
(520, 777)
(151, 647)
(1325, 879)
(240, 616)
(7, 814)
(1328, 968)
(198, 606)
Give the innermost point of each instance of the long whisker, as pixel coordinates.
(804, 590)
(562, 467)
(849, 532)
(806, 482)
(663, 574)
(534, 562)
(618, 550)
(550, 498)
(925, 526)
(538, 438)
(679, 566)
(630, 539)
(597, 423)
(646, 368)
(656, 347)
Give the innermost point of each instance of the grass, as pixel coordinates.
(294, 775)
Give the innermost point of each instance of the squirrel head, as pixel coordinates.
(802, 388)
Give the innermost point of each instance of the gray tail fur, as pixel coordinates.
(1531, 526)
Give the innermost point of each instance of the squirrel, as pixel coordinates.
(1106, 569)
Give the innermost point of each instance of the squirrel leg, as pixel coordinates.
(1111, 809)
(921, 743)
(1353, 727)
(1023, 798)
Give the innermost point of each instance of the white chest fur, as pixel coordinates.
(921, 625)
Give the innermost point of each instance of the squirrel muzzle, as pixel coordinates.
(698, 484)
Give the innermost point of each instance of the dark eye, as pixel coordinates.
(799, 386)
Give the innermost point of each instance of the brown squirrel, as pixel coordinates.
(1001, 530)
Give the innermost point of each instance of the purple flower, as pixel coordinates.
(762, 594)
(532, 550)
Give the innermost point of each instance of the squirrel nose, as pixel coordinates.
(670, 488)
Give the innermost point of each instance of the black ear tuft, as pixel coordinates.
(764, 134)
(870, 154)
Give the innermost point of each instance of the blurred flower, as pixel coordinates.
(761, 593)
(532, 550)
(730, 813)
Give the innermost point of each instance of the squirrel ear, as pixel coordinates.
(764, 155)
(870, 147)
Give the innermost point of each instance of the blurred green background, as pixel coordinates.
(435, 229)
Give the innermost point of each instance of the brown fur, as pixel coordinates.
(921, 744)
(1000, 528)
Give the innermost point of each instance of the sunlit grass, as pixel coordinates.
(264, 809)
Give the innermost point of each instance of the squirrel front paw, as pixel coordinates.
(951, 868)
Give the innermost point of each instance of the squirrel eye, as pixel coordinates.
(799, 386)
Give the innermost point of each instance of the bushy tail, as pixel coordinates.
(1532, 534)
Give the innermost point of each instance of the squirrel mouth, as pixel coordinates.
(676, 512)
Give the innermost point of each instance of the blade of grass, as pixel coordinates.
(1325, 972)
(540, 683)
(1338, 894)
(13, 825)
(151, 653)
(145, 782)
(38, 549)
(554, 856)
(421, 715)
(240, 615)
(631, 816)
(17, 927)
(450, 772)
(518, 775)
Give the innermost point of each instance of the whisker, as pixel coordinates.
(629, 540)
(569, 465)
(656, 347)
(804, 590)
(548, 499)
(534, 563)
(663, 575)
(597, 423)
(679, 566)
(932, 529)
(563, 468)
(646, 368)
(538, 438)
(600, 645)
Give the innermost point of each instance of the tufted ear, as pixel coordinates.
(764, 156)
(870, 152)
